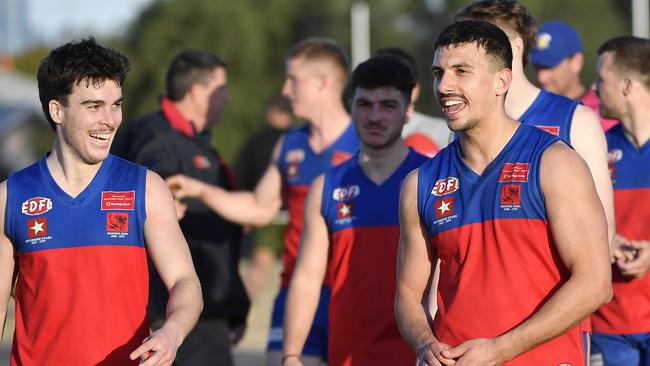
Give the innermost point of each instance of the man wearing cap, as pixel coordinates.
(558, 60)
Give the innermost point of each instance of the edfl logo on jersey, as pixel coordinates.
(445, 186)
(36, 206)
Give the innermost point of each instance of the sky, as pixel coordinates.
(51, 20)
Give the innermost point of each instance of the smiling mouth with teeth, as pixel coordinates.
(451, 106)
(103, 136)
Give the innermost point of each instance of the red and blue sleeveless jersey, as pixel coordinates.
(82, 287)
(363, 225)
(629, 310)
(552, 113)
(299, 165)
(498, 261)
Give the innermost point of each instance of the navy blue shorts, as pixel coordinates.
(620, 349)
(316, 343)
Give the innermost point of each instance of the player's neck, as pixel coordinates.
(70, 173)
(326, 125)
(522, 92)
(575, 90)
(637, 126)
(380, 164)
(483, 143)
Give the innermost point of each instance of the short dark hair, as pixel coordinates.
(72, 63)
(319, 49)
(400, 53)
(631, 55)
(509, 14)
(486, 35)
(280, 103)
(384, 71)
(188, 68)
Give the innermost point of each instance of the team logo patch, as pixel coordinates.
(543, 41)
(118, 200)
(514, 172)
(614, 156)
(37, 228)
(201, 162)
(445, 186)
(553, 130)
(339, 157)
(117, 222)
(444, 207)
(36, 206)
(344, 210)
(346, 193)
(511, 195)
(294, 156)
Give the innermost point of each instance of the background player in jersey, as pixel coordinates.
(351, 212)
(574, 123)
(558, 58)
(622, 327)
(317, 71)
(76, 226)
(514, 217)
(426, 134)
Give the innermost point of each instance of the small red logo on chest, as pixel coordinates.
(118, 200)
(445, 186)
(117, 222)
(511, 194)
(36, 206)
(201, 162)
(444, 207)
(36, 228)
(344, 210)
(514, 172)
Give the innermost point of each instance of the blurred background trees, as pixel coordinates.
(254, 35)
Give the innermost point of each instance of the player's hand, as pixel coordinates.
(476, 352)
(183, 186)
(431, 355)
(640, 265)
(159, 349)
(623, 251)
(181, 209)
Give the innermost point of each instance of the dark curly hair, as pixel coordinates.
(73, 63)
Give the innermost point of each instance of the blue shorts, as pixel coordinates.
(316, 343)
(620, 349)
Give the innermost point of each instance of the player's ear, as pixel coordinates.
(56, 111)
(502, 81)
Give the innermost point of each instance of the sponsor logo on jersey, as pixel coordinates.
(445, 211)
(36, 206)
(37, 228)
(614, 156)
(346, 193)
(118, 200)
(445, 186)
(553, 130)
(514, 172)
(117, 222)
(339, 157)
(294, 156)
(511, 197)
(201, 162)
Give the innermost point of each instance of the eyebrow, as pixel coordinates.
(454, 66)
(99, 101)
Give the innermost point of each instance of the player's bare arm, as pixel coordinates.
(579, 230)
(311, 266)
(256, 208)
(589, 141)
(415, 265)
(7, 260)
(169, 252)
